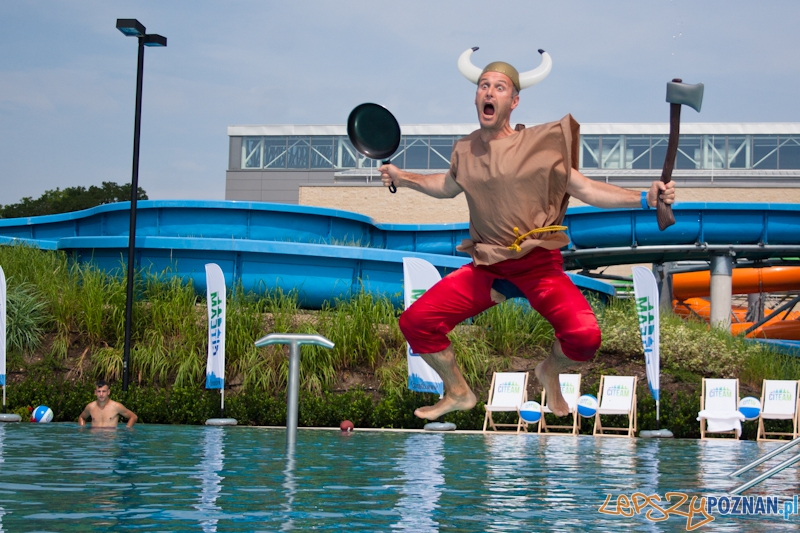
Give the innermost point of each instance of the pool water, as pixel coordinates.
(60, 477)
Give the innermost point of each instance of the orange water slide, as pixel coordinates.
(689, 287)
(744, 281)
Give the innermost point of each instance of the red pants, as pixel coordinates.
(465, 293)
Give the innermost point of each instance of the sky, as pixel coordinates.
(68, 76)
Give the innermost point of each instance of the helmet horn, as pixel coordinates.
(467, 69)
(532, 77)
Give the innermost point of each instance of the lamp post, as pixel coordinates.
(134, 28)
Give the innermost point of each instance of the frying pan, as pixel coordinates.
(374, 132)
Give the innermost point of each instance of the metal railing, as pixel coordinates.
(769, 473)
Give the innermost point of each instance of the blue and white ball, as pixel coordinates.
(750, 407)
(530, 412)
(587, 406)
(42, 414)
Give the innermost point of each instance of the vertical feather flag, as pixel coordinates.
(645, 290)
(419, 276)
(215, 297)
(3, 332)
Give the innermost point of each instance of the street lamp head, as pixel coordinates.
(153, 39)
(131, 27)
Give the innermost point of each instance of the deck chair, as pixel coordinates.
(508, 391)
(719, 411)
(617, 397)
(571, 391)
(779, 401)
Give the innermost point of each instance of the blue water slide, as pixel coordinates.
(326, 253)
(601, 237)
(234, 220)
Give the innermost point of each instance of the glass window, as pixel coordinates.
(658, 150)
(416, 152)
(297, 152)
(322, 152)
(765, 151)
(713, 151)
(274, 152)
(637, 151)
(789, 152)
(441, 149)
(251, 152)
(689, 152)
(346, 154)
(590, 151)
(612, 151)
(739, 151)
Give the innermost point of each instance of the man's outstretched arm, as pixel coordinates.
(436, 185)
(605, 195)
(127, 413)
(83, 416)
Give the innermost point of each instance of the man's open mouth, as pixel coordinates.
(488, 109)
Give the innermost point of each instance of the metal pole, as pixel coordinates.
(294, 340)
(767, 474)
(126, 354)
(293, 394)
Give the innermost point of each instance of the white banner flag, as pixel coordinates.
(215, 297)
(419, 276)
(645, 290)
(2, 328)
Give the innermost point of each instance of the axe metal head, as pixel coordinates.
(685, 94)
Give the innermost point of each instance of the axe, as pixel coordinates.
(678, 94)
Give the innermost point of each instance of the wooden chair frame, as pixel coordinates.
(630, 431)
(488, 421)
(762, 433)
(704, 422)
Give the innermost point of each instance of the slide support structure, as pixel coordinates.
(721, 291)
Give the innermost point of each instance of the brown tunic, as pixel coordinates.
(517, 181)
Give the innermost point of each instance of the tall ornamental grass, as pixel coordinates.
(74, 313)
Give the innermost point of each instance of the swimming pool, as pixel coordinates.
(59, 477)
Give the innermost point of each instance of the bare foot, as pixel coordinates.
(547, 374)
(449, 403)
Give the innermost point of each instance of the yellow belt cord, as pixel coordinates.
(521, 238)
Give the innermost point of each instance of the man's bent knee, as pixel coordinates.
(582, 346)
(422, 336)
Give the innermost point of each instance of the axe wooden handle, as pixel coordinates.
(664, 211)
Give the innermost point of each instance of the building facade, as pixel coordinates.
(317, 165)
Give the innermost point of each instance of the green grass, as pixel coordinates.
(72, 315)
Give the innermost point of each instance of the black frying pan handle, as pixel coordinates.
(392, 188)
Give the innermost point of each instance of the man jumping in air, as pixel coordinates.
(517, 183)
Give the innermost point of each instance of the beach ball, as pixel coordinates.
(750, 407)
(587, 405)
(42, 414)
(346, 426)
(530, 412)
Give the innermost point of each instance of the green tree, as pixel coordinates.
(70, 199)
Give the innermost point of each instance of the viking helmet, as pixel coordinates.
(520, 81)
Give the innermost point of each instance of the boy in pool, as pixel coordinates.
(517, 182)
(104, 411)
